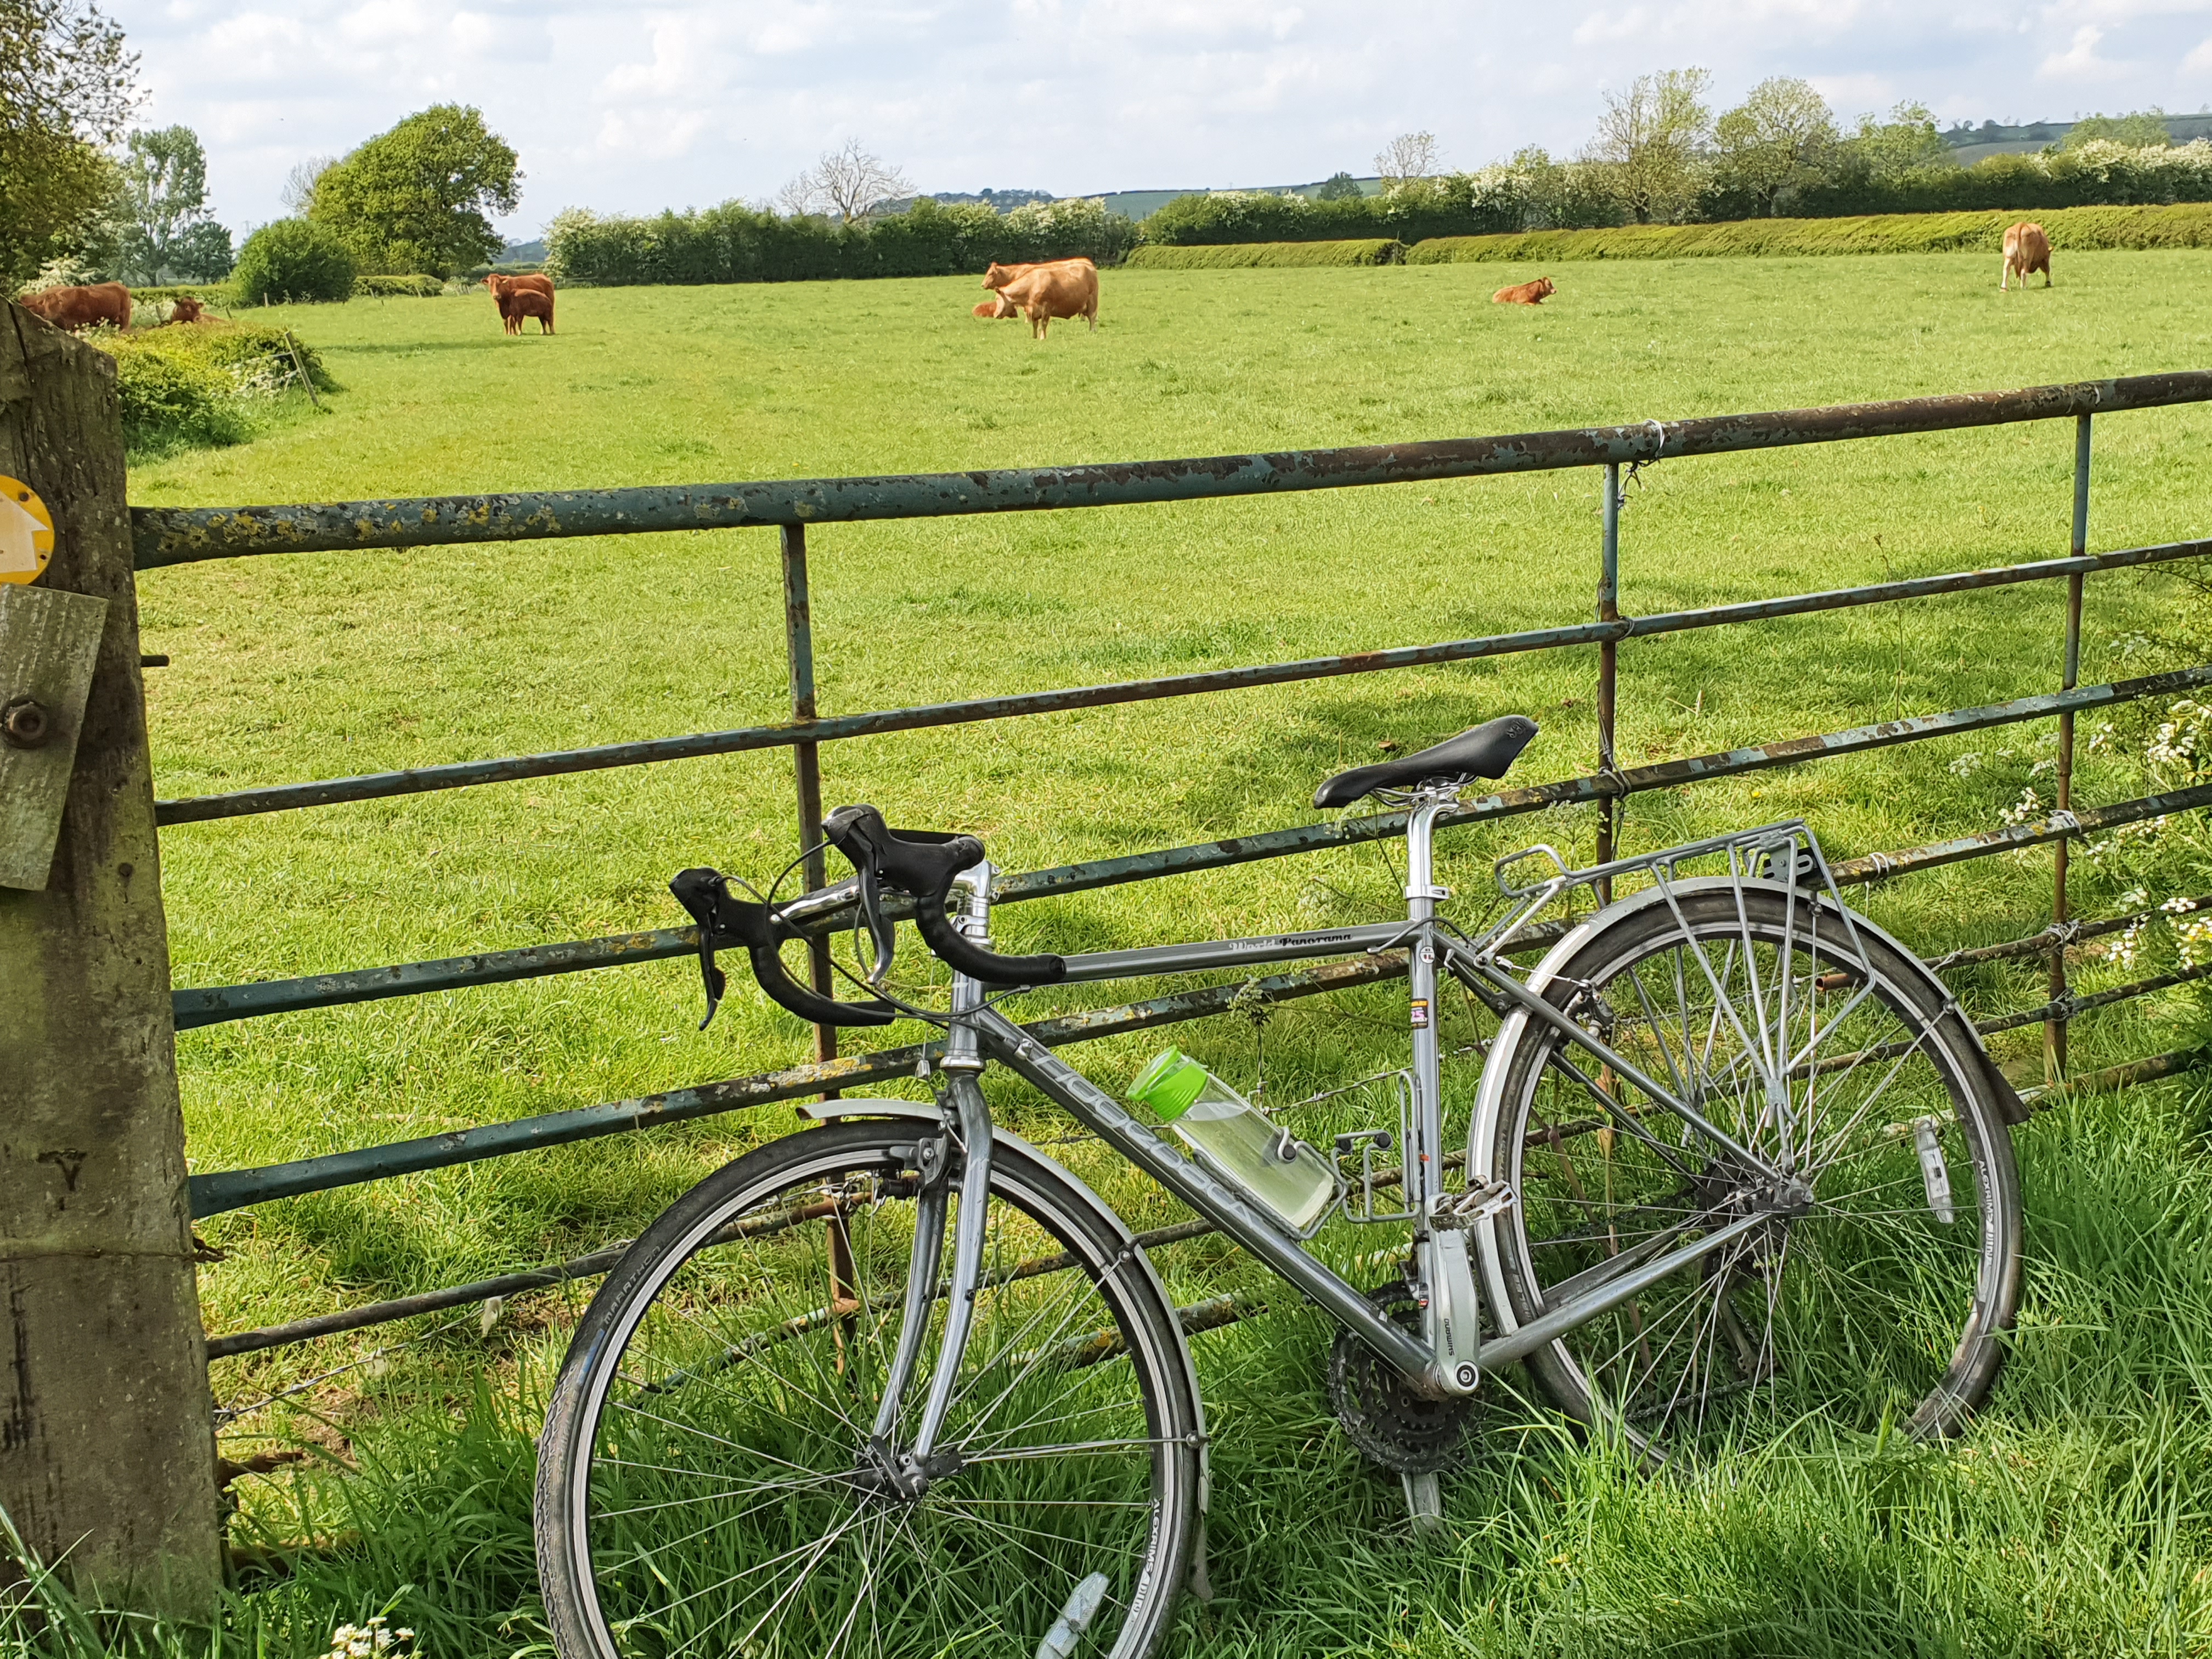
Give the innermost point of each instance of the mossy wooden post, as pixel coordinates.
(106, 1429)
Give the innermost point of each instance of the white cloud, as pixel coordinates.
(636, 106)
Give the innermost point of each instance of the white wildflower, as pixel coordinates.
(1967, 764)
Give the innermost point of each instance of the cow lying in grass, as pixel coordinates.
(997, 305)
(1523, 294)
(1062, 288)
(81, 307)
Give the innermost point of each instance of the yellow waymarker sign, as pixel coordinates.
(27, 533)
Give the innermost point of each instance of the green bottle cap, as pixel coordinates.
(1169, 1085)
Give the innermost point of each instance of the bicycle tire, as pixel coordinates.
(1081, 1458)
(1869, 1307)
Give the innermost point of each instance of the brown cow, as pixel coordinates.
(997, 305)
(81, 307)
(1523, 294)
(187, 310)
(527, 302)
(503, 290)
(2026, 250)
(1065, 287)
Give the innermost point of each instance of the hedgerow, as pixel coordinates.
(399, 287)
(733, 243)
(202, 385)
(1370, 251)
(2188, 225)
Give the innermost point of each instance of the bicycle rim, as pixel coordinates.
(703, 1485)
(1818, 1047)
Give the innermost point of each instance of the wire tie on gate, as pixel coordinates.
(2064, 822)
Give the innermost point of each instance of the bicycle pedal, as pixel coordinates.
(1479, 1204)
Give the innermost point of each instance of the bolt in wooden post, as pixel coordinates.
(2054, 1031)
(106, 1429)
(1609, 667)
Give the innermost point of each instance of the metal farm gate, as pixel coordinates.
(163, 538)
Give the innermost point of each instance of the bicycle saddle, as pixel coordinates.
(1482, 752)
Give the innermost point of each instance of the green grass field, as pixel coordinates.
(2073, 1520)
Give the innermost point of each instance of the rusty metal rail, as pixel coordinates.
(807, 733)
(217, 1004)
(168, 536)
(232, 1189)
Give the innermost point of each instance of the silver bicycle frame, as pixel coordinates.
(980, 1033)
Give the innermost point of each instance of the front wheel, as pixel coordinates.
(1811, 1040)
(705, 1483)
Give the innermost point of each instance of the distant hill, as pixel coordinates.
(522, 252)
(1143, 203)
(1970, 144)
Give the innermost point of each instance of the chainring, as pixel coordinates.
(1381, 1415)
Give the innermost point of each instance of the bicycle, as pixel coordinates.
(1736, 1156)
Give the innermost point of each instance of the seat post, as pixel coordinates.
(1423, 1164)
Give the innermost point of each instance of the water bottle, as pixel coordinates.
(1229, 1134)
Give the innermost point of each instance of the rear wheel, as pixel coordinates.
(1819, 1047)
(705, 1484)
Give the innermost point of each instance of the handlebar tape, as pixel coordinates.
(726, 921)
(923, 863)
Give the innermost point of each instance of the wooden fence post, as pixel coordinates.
(106, 1428)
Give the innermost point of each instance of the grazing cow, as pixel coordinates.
(81, 307)
(503, 290)
(187, 310)
(527, 302)
(1065, 287)
(1523, 294)
(2026, 250)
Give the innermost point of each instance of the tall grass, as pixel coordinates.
(2072, 1519)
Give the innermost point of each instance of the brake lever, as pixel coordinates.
(695, 891)
(883, 932)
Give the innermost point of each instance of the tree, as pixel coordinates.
(2145, 129)
(67, 87)
(1883, 152)
(415, 198)
(1338, 188)
(1407, 158)
(1651, 140)
(298, 192)
(1783, 135)
(294, 259)
(846, 184)
(201, 252)
(163, 223)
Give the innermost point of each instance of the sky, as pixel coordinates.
(635, 108)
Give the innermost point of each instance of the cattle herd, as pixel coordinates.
(1040, 292)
